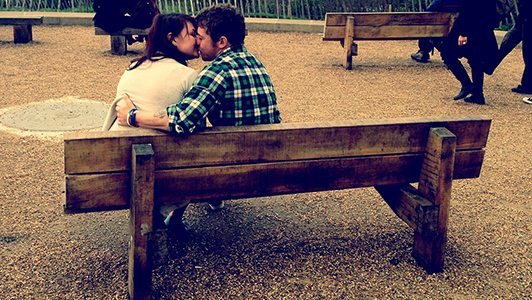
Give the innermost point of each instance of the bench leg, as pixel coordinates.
(348, 42)
(435, 184)
(118, 45)
(22, 34)
(141, 221)
(409, 205)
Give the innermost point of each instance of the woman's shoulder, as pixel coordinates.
(176, 66)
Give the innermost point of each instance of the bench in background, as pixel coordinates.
(347, 27)
(118, 38)
(135, 170)
(22, 26)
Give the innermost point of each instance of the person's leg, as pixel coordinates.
(477, 73)
(526, 79)
(423, 54)
(450, 54)
(510, 40)
(455, 66)
(173, 217)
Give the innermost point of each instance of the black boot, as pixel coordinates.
(476, 99)
(458, 70)
(464, 92)
(420, 56)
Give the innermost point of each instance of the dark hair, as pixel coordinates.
(157, 44)
(223, 20)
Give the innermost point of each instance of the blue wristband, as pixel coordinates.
(131, 117)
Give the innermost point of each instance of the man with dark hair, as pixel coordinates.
(234, 89)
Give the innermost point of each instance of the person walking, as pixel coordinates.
(471, 37)
(427, 45)
(521, 32)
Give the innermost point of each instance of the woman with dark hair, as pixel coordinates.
(160, 77)
(471, 37)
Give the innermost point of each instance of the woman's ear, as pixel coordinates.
(172, 38)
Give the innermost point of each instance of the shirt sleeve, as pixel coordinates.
(209, 86)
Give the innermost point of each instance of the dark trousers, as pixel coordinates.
(526, 79)
(520, 32)
(428, 44)
(451, 54)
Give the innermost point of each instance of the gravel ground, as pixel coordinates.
(345, 244)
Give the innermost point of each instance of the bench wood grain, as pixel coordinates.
(105, 171)
(348, 27)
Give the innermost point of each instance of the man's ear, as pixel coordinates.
(223, 42)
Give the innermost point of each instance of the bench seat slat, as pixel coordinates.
(99, 192)
(96, 152)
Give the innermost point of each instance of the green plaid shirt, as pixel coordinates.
(234, 89)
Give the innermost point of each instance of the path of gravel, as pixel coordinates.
(345, 244)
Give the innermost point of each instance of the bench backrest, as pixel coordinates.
(382, 26)
(252, 161)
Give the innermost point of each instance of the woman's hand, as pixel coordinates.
(462, 40)
(122, 109)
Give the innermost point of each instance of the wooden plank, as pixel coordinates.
(21, 20)
(118, 45)
(94, 152)
(435, 184)
(409, 205)
(390, 19)
(22, 34)
(348, 41)
(125, 31)
(397, 32)
(97, 192)
(141, 221)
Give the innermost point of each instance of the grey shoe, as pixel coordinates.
(216, 205)
(420, 56)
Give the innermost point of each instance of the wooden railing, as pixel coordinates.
(282, 9)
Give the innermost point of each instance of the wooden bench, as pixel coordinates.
(22, 26)
(347, 27)
(137, 169)
(118, 38)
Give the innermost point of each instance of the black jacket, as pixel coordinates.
(476, 21)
